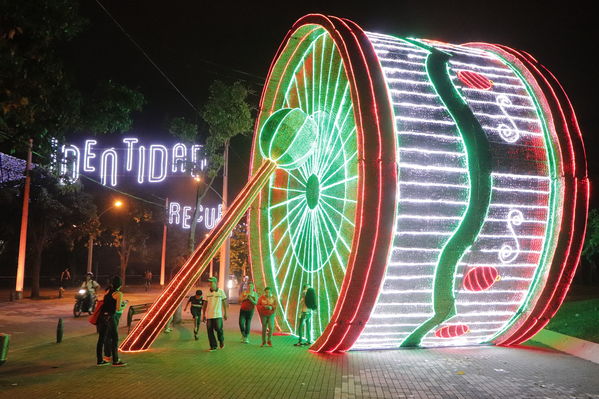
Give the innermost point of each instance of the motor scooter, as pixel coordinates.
(84, 302)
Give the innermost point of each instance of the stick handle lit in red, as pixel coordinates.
(146, 331)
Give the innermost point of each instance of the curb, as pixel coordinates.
(573, 346)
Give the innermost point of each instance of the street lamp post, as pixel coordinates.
(223, 270)
(24, 221)
(90, 242)
(163, 255)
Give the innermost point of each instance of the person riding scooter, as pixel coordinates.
(91, 286)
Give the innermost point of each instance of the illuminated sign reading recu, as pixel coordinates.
(181, 215)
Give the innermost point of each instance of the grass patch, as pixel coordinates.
(578, 319)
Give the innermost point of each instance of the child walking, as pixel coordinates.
(197, 302)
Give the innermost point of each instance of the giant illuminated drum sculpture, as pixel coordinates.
(433, 194)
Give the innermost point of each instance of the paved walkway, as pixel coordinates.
(179, 367)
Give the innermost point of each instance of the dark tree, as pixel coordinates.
(57, 213)
(227, 114)
(589, 272)
(239, 250)
(39, 98)
(128, 232)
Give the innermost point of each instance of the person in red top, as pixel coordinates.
(249, 298)
(267, 305)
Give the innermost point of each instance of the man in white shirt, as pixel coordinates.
(91, 286)
(215, 308)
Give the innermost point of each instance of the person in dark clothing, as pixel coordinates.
(108, 340)
(108, 323)
(308, 305)
(65, 280)
(197, 302)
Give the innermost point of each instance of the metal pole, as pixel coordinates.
(90, 252)
(24, 222)
(163, 257)
(223, 270)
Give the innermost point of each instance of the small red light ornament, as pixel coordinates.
(481, 278)
(452, 331)
(475, 80)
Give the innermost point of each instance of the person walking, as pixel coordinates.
(308, 304)
(267, 305)
(197, 303)
(249, 299)
(108, 323)
(65, 279)
(215, 309)
(244, 284)
(148, 279)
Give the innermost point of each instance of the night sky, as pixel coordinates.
(195, 42)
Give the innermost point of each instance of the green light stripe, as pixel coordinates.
(338, 198)
(283, 259)
(287, 215)
(297, 197)
(288, 189)
(321, 214)
(325, 177)
(329, 130)
(290, 173)
(339, 182)
(479, 173)
(327, 162)
(339, 213)
(329, 222)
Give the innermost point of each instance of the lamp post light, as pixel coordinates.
(163, 254)
(90, 242)
(223, 269)
(20, 278)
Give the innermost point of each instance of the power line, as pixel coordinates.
(251, 75)
(147, 57)
(237, 71)
(122, 192)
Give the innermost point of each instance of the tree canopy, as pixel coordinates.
(227, 114)
(39, 97)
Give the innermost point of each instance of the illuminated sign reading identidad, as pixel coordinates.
(147, 163)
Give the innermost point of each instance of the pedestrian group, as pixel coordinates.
(211, 309)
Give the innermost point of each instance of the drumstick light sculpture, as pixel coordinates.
(287, 139)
